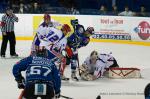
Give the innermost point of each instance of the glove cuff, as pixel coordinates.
(19, 79)
(57, 92)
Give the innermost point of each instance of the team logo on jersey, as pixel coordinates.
(143, 30)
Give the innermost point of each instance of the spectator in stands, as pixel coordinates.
(114, 10)
(103, 10)
(73, 10)
(22, 8)
(127, 12)
(143, 12)
(36, 8)
(3, 5)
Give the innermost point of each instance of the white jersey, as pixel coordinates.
(103, 61)
(41, 28)
(90, 67)
(51, 37)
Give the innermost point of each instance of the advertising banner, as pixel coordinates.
(106, 27)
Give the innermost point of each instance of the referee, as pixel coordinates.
(8, 34)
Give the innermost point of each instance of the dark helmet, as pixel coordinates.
(41, 52)
(74, 22)
(90, 30)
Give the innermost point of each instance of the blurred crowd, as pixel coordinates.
(88, 7)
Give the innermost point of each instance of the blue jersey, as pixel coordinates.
(38, 68)
(77, 39)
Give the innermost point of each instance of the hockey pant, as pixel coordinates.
(73, 61)
(34, 90)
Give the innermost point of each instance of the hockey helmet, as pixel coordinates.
(66, 28)
(47, 16)
(89, 31)
(41, 51)
(74, 22)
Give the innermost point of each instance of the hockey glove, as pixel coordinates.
(20, 83)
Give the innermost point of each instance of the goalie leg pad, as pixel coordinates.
(87, 77)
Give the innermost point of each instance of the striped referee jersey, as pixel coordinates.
(8, 23)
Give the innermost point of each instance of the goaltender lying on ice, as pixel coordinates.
(100, 64)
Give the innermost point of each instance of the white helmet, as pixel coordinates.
(94, 55)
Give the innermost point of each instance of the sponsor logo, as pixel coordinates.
(143, 30)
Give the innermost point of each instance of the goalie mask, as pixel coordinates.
(93, 56)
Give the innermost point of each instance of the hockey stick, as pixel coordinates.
(78, 65)
(65, 97)
(21, 96)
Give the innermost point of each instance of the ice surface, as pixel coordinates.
(126, 55)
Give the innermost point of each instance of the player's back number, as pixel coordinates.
(40, 70)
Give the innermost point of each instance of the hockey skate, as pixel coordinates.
(73, 76)
(64, 78)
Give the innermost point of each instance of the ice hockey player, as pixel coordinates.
(98, 97)
(42, 76)
(78, 39)
(95, 65)
(54, 41)
(147, 91)
(47, 23)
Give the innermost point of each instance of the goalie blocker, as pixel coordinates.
(122, 73)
